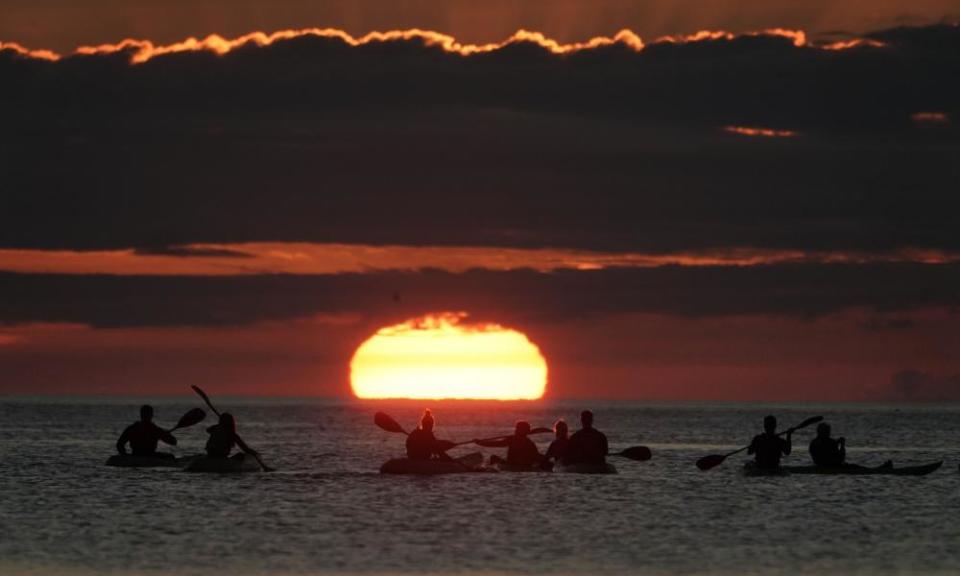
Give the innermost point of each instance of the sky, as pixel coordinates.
(762, 212)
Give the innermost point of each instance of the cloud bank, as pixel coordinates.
(400, 140)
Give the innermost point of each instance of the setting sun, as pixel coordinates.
(443, 356)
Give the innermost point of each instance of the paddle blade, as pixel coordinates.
(192, 417)
(712, 461)
(639, 453)
(387, 423)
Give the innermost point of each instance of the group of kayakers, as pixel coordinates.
(825, 451)
(586, 446)
(143, 436)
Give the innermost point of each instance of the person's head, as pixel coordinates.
(426, 421)
(823, 430)
(560, 428)
(770, 424)
(522, 428)
(586, 419)
(227, 421)
(146, 413)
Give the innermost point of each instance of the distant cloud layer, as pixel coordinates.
(792, 290)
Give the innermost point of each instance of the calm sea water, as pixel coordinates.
(327, 510)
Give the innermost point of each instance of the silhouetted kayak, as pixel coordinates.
(222, 465)
(506, 467)
(606, 468)
(465, 464)
(750, 469)
(131, 461)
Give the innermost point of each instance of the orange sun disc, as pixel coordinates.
(440, 356)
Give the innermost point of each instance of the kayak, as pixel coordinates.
(223, 465)
(131, 461)
(469, 463)
(848, 470)
(921, 470)
(506, 467)
(605, 468)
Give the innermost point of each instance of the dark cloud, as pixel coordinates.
(805, 291)
(190, 251)
(885, 324)
(312, 140)
(916, 385)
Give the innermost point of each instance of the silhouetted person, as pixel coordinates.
(587, 445)
(827, 451)
(144, 435)
(768, 447)
(521, 451)
(557, 452)
(223, 437)
(421, 443)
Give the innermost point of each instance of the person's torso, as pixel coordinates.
(587, 445)
(825, 452)
(558, 448)
(144, 437)
(768, 448)
(220, 442)
(522, 451)
(420, 444)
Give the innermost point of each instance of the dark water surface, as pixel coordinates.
(327, 510)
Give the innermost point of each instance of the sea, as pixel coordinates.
(327, 511)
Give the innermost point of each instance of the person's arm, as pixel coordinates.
(842, 444)
(788, 444)
(551, 451)
(243, 445)
(753, 446)
(122, 441)
(606, 446)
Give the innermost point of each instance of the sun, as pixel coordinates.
(440, 356)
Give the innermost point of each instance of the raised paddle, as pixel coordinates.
(192, 417)
(206, 399)
(385, 422)
(714, 460)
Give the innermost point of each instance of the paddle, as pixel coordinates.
(638, 453)
(540, 430)
(206, 399)
(714, 460)
(386, 422)
(192, 417)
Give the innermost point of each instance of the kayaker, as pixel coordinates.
(768, 447)
(521, 451)
(587, 445)
(144, 435)
(557, 452)
(223, 437)
(827, 451)
(422, 444)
